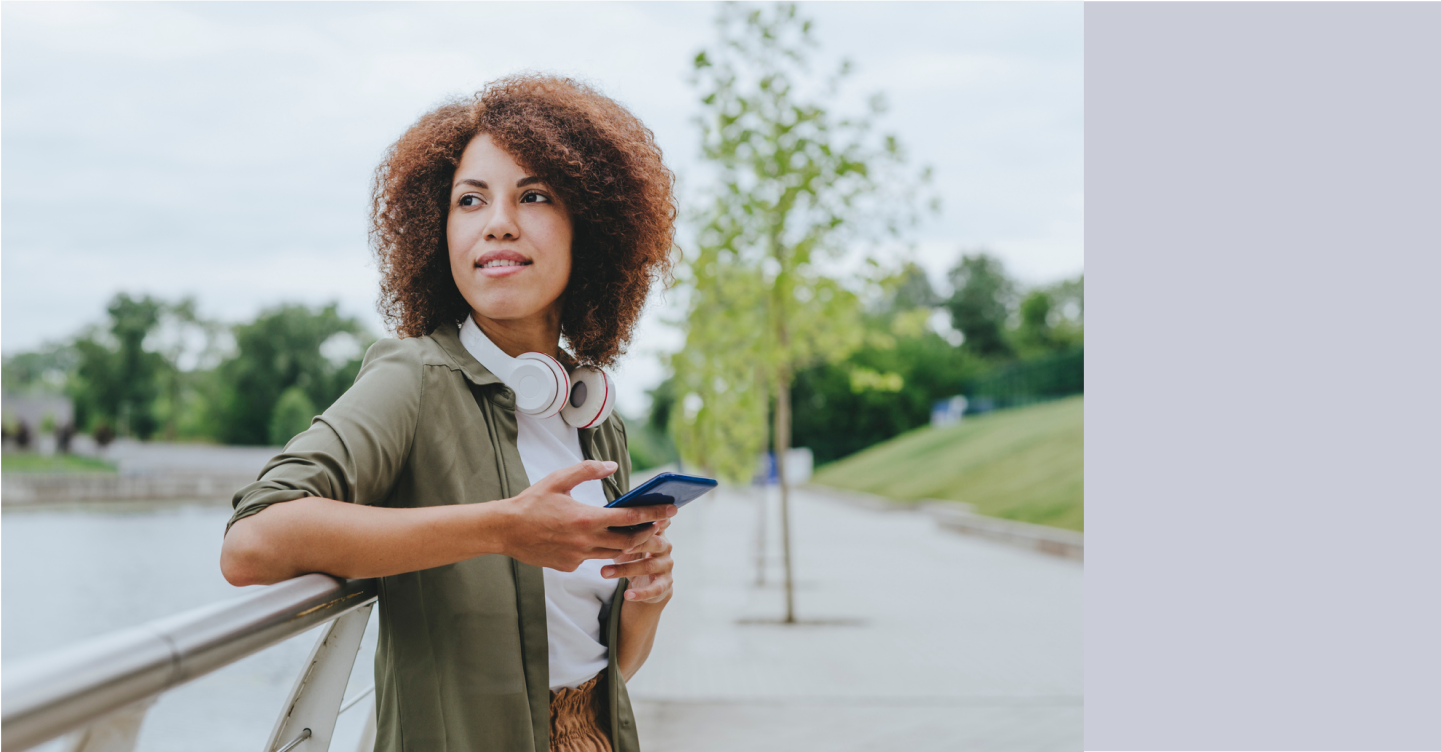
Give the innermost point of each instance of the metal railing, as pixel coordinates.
(99, 691)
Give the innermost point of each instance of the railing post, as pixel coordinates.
(314, 701)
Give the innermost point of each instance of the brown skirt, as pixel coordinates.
(580, 717)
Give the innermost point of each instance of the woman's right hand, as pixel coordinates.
(546, 527)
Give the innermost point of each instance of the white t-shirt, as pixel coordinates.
(573, 600)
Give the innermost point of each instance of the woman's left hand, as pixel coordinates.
(648, 566)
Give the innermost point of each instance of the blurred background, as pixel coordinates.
(875, 335)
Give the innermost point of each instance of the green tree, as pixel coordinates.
(910, 289)
(981, 304)
(794, 187)
(45, 370)
(189, 344)
(1034, 334)
(283, 348)
(292, 414)
(117, 378)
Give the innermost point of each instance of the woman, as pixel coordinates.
(536, 209)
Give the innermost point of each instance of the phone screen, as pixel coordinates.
(666, 488)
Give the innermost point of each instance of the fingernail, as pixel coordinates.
(630, 595)
(607, 571)
(671, 510)
(609, 465)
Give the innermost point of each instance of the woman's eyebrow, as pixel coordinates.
(523, 182)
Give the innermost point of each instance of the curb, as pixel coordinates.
(960, 517)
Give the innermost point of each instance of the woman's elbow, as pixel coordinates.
(242, 559)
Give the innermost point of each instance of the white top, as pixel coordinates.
(572, 599)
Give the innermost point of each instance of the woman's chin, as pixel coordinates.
(507, 308)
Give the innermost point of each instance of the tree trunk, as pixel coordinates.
(782, 445)
(174, 407)
(763, 497)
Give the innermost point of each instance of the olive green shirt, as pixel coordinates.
(462, 659)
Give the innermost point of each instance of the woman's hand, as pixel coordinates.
(648, 566)
(546, 527)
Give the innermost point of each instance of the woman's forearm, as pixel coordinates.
(638, 622)
(351, 540)
(542, 526)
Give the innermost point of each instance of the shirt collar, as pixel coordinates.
(486, 352)
(447, 335)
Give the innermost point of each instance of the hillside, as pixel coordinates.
(1022, 464)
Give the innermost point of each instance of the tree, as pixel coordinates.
(285, 347)
(117, 379)
(1051, 320)
(188, 343)
(911, 289)
(790, 182)
(292, 414)
(41, 371)
(981, 304)
(1034, 334)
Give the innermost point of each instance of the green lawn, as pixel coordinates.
(1022, 464)
(29, 462)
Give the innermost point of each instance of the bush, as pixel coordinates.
(293, 413)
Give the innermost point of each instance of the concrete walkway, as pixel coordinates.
(916, 638)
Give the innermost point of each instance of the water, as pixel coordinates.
(77, 571)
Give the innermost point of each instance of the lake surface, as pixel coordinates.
(77, 571)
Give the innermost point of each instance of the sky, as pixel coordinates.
(224, 150)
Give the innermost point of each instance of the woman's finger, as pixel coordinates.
(650, 565)
(654, 590)
(658, 544)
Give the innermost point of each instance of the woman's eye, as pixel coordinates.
(469, 199)
(539, 197)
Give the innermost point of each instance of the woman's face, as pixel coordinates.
(509, 237)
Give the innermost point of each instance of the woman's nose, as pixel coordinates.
(502, 223)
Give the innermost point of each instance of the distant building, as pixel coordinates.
(34, 409)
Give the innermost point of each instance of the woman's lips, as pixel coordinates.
(502, 271)
(501, 262)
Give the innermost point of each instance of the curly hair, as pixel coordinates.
(600, 159)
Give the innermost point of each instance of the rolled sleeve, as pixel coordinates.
(357, 449)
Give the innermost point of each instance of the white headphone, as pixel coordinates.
(542, 387)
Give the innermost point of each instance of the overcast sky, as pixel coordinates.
(224, 150)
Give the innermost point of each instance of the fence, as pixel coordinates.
(1027, 382)
(99, 691)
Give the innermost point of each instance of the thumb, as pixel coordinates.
(566, 478)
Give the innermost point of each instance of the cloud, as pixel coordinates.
(930, 71)
(225, 150)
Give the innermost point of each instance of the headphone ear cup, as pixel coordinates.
(592, 397)
(540, 384)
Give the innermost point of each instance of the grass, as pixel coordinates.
(1022, 464)
(29, 462)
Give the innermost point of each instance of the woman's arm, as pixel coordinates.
(649, 568)
(542, 525)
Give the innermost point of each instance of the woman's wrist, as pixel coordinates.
(490, 526)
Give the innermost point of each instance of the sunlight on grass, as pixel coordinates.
(1023, 464)
(26, 462)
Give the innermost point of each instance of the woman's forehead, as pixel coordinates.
(485, 161)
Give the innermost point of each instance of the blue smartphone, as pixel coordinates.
(666, 488)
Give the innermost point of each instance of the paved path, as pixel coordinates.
(144, 458)
(920, 639)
